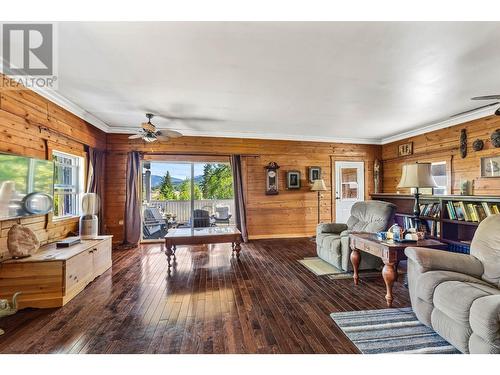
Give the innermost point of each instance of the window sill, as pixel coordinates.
(65, 218)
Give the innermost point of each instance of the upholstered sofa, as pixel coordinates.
(458, 295)
(332, 239)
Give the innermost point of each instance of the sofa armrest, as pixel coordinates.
(439, 260)
(336, 228)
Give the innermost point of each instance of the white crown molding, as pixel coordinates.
(271, 136)
(63, 102)
(484, 112)
(74, 108)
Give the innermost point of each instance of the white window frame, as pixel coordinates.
(78, 186)
(445, 187)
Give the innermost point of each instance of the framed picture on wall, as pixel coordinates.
(314, 174)
(490, 166)
(405, 149)
(293, 180)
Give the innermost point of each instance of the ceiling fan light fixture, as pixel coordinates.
(149, 138)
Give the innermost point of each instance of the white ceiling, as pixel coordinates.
(335, 81)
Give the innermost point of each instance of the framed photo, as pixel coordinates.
(405, 149)
(314, 174)
(293, 180)
(490, 166)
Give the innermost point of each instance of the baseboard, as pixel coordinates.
(277, 236)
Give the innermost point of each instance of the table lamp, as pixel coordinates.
(319, 186)
(417, 175)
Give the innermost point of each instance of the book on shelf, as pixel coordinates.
(432, 228)
(458, 211)
(487, 208)
(430, 210)
(464, 209)
(472, 212)
(480, 212)
(495, 209)
(451, 211)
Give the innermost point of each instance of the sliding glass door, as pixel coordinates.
(185, 194)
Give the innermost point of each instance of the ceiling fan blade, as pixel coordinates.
(474, 109)
(188, 118)
(486, 97)
(170, 133)
(162, 138)
(135, 136)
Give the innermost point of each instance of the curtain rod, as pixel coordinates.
(186, 154)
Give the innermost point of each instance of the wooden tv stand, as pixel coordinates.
(53, 276)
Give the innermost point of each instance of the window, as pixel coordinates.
(438, 171)
(68, 184)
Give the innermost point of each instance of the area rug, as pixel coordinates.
(391, 331)
(320, 268)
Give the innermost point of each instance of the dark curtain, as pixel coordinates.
(95, 180)
(239, 200)
(132, 200)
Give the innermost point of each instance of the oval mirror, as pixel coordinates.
(37, 203)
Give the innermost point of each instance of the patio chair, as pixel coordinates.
(201, 219)
(153, 221)
(222, 215)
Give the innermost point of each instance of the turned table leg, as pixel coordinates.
(169, 252)
(389, 274)
(237, 247)
(355, 260)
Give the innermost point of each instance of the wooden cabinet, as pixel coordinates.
(53, 276)
(101, 258)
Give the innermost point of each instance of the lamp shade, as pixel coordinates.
(319, 185)
(417, 175)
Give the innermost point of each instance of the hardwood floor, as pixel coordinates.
(265, 303)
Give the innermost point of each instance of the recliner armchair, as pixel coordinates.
(332, 239)
(458, 295)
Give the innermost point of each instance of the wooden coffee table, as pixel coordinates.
(390, 252)
(200, 236)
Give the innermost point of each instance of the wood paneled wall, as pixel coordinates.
(443, 145)
(292, 213)
(31, 125)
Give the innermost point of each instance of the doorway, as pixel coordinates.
(349, 187)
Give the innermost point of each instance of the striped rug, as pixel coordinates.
(391, 331)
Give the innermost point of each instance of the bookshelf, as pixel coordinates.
(452, 219)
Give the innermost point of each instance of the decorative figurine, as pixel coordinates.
(478, 145)
(6, 310)
(464, 187)
(377, 175)
(495, 138)
(463, 143)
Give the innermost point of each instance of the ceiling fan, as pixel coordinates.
(489, 97)
(149, 133)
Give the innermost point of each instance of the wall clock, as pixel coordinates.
(272, 178)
